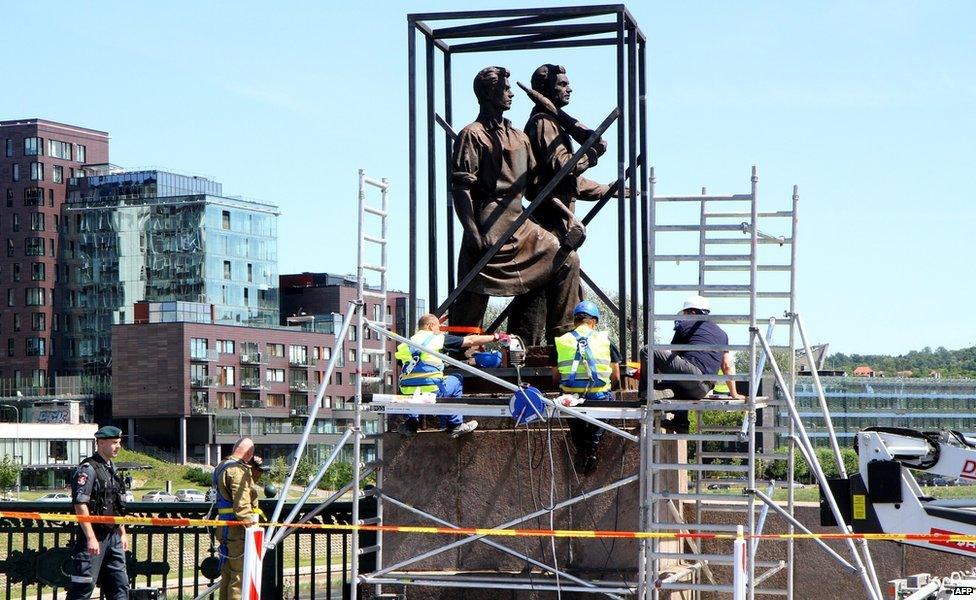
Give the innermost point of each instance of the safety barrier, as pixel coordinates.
(171, 548)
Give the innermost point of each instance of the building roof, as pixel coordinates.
(863, 369)
(36, 121)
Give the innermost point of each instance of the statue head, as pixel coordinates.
(492, 89)
(551, 81)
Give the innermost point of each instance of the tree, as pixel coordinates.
(9, 473)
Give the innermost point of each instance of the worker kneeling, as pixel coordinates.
(423, 372)
(587, 365)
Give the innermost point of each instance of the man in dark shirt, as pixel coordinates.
(98, 554)
(691, 362)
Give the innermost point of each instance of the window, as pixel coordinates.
(10, 346)
(250, 272)
(15, 222)
(35, 296)
(38, 321)
(17, 322)
(37, 271)
(15, 172)
(225, 219)
(57, 174)
(198, 348)
(58, 149)
(352, 355)
(32, 146)
(226, 375)
(37, 221)
(81, 153)
(225, 346)
(10, 147)
(276, 400)
(276, 350)
(247, 297)
(10, 198)
(51, 245)
(225, 400)
(36, 346)
(34, 197)
(338, 378)
(37, 171)
(10, 298)
(34, 247)
(251, 400)
(50, 197)
(298, 355)
(274, 375)
(58, 449)
(226, 269)
(198, 374)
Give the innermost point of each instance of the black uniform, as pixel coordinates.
(97, 484)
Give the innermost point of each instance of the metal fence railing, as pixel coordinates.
(309, 563)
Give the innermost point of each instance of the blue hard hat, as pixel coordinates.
(587, 308)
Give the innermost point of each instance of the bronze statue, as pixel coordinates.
(551, 133)
(493, 163)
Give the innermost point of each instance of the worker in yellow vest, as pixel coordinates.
(587, 364)
(422, 372)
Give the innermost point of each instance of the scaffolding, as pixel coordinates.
(726, 249)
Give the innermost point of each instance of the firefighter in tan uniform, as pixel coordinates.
(235, 502)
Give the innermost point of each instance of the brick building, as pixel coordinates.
(37, 159)
(190, 385)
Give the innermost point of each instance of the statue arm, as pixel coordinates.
(464, 207)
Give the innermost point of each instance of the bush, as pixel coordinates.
(777, 469)
(199, 476)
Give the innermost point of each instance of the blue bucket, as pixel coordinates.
(488, 360)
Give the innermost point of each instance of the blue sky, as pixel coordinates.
(869, 107)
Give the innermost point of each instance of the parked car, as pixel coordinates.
(190, 496)
(719, 486)
(158, 496)
(944, 481)
(55, 497)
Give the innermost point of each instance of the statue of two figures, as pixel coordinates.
(495, 166)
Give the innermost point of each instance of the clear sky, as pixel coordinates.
(869, 107)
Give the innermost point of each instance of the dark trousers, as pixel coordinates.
(586, 436)
(107, 568)
(544, 313)
(668, 362)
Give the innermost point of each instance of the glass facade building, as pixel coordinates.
(859, 402)
(123, 243)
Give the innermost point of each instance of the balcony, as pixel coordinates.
(251, 383)
(203, 382)
(252, 403)
(298, 361)
(252, 358)
(202, 408)
(204, 356)
(299, 410)
(299, 386)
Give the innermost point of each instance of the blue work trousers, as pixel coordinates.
(107, 568)
(586, 436)
(449, 387)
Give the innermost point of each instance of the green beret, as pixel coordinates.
(109, 432)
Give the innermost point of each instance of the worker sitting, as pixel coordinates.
(690, 362)
(423, 372)
(587, 365)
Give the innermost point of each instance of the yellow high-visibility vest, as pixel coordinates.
(421, 371)
(583, 361)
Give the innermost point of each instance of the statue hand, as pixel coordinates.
(540, 100)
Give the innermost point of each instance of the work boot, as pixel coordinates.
(408, 428)
(462, 429)
(585, 463)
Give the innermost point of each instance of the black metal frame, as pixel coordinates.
(535, 29)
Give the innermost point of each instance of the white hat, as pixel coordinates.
(698, 302)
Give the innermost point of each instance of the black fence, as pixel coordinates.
(35, 555)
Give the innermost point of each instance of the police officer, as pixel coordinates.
(234, 484)
(99, 550)
(588, 365)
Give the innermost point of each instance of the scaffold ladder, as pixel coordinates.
(725, 246)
